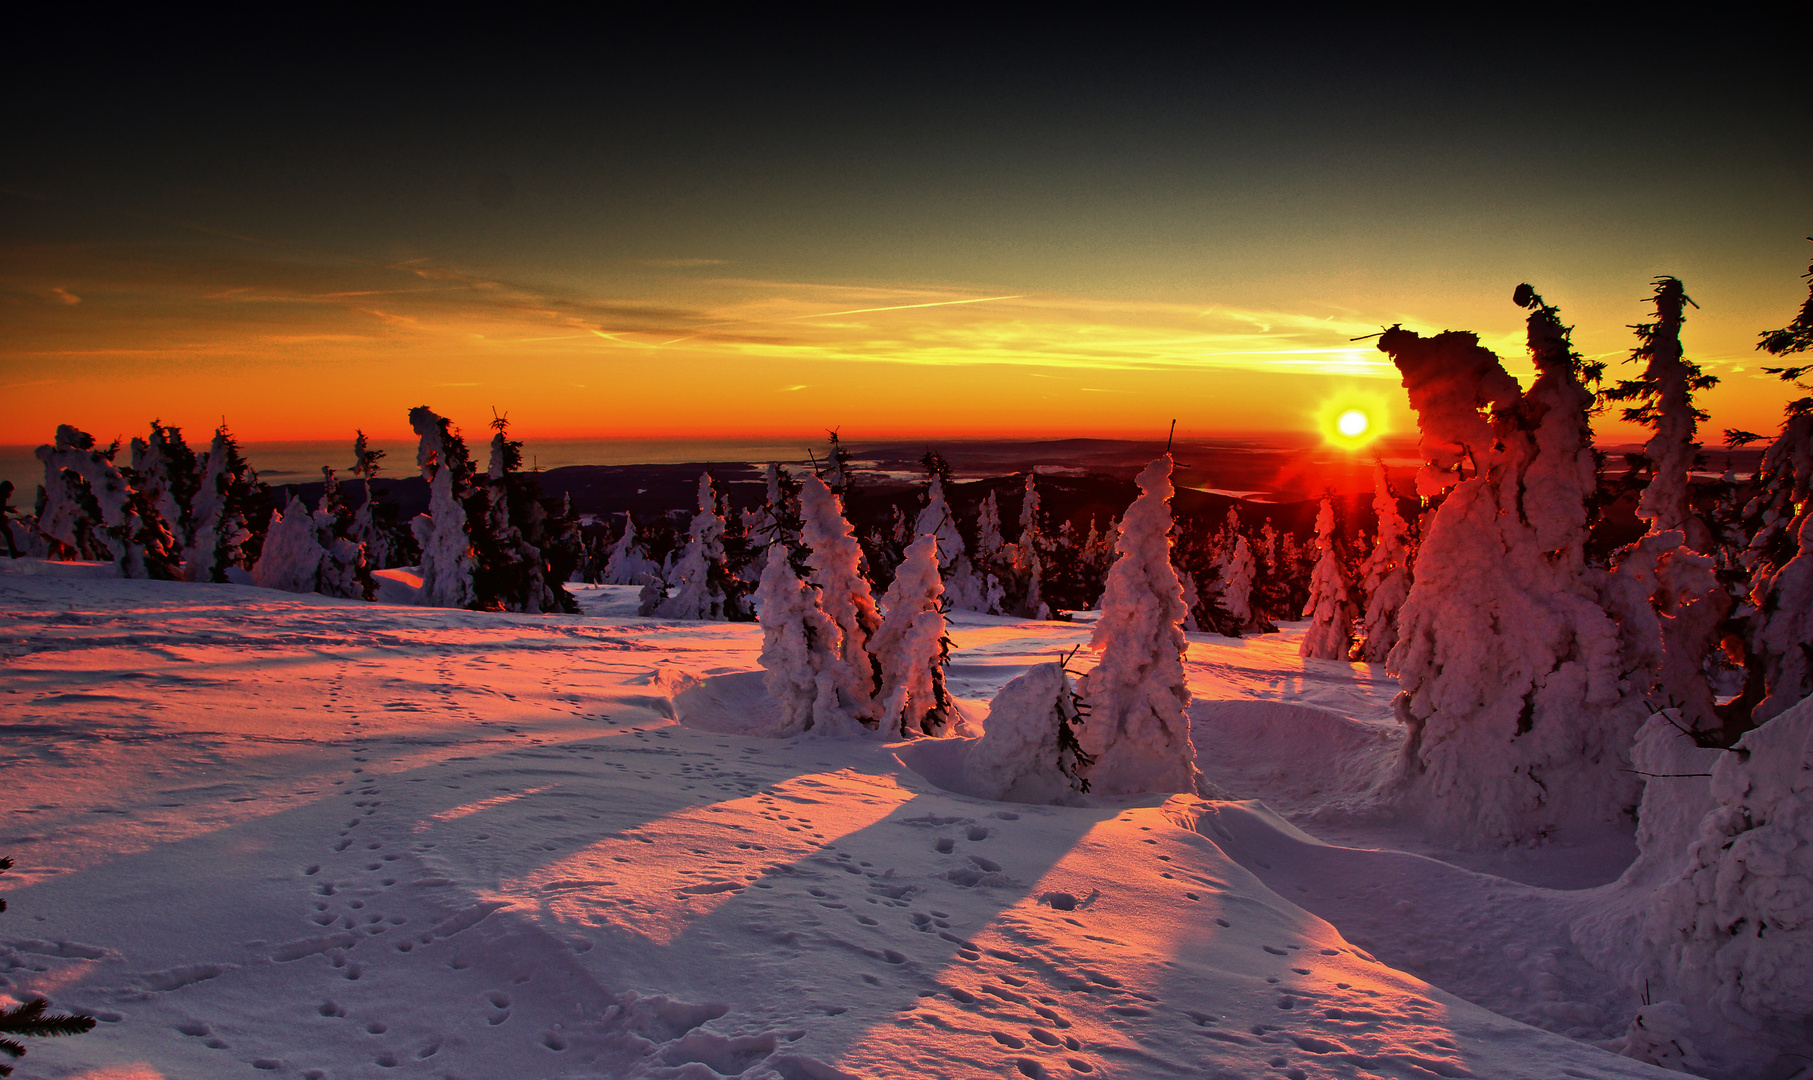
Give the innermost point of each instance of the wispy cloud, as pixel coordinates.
(64, 296)
(684, 263)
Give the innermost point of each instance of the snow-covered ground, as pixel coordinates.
(260, 833)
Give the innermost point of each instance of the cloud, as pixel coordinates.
(684, 263)
(64, 296)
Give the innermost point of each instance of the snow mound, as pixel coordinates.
(1304, 759)
(735, 704)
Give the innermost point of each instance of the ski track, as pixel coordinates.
(270, 835)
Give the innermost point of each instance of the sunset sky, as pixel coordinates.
(769, 235)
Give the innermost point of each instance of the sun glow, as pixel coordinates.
(1351, 419)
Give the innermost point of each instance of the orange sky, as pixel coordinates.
(1011, 244)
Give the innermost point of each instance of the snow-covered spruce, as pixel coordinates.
(1387, 576)
(628, 563)
(1138, 732)
(704, 589)
(798, 642)
(963, 587)
(1519, 719)
(1665, 594)
(292, 555)
(1029, 750)
(443, 532)
(1027, 564)
(1237, 583)
(227, 525)
(167, 473)
(92, 509)
(1730, 939)
(848, 680)
(912, 649)
(1330, 610)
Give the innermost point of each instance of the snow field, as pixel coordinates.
(268, 834)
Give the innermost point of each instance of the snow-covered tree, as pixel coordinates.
(369, 530)
(1513, 693)
(443, 532)
(847, 686)
(704, 587)
(1779, 557)
(911, 648)
(1237, 586)
(229, 516)
(963, 587)
(92, 509)
(292, 555)
(346, 569)
(522, 555)
(628, 563)
(1330, 609)
(1386, 577)
(1029, 750)
(1727, 946)
(1138, 732)
(166, 476)
(799, 644)
(1028, 565)
(1666, 594)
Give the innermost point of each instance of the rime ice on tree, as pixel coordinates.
(223, 515)
(846, 687)
(292, 555)
(1519, 720)
(1330, 609)
(92, 509)
(443, 532)
(1386, 578)
(799, 641)
(1029, 751)
(1138, 732)
(627, 563)
(704, 588)
(911, 648)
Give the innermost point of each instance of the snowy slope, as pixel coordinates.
(260, 833)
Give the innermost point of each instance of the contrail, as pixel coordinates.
(902, 307)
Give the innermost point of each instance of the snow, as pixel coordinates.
(267, 832)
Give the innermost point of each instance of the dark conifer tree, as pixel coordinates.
(32, 1019)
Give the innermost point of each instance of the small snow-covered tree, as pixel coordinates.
(847, 686)
(230, 513)
(1386, 577)
(443, 533)
(963, 588)
(369, 530)
(1028, 565)
(799, 643)
(1330, 609)
(704, 587)
(912, 649)
(1029, 751)
(1138, 732)
(1518, 715)
(628, 563)
(1237, 586)
(292, 555)
(166, 476)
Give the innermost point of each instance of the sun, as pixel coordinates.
(1351, 419)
